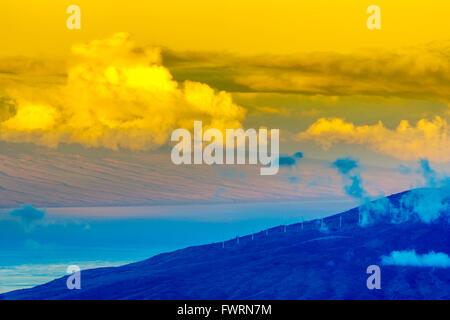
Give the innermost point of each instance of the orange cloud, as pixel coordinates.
(427, 139)
(117, 95)
(413, 72)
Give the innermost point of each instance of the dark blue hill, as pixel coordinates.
(296, 262)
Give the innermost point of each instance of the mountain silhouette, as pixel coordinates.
(318, 259)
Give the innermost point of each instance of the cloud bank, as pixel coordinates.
(426, 205)
(427, 139)
(413, 72)
(411, 259)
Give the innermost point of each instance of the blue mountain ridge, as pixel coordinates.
(298, 261)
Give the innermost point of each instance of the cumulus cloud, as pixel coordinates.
(369, 211)
(348, 168)
(427, 204)
(27, 214)
(423, 205)
(298, 155)
(427, 139)
(345, 165)
(117, 95)
(412, 259)
(288, 161)
(428, 173)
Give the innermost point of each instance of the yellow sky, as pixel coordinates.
(29, 27)
(129, 80)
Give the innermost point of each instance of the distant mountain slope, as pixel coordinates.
(301, 263)
(80, 177)
(46, 178)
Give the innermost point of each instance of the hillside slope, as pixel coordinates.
(296, 262)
